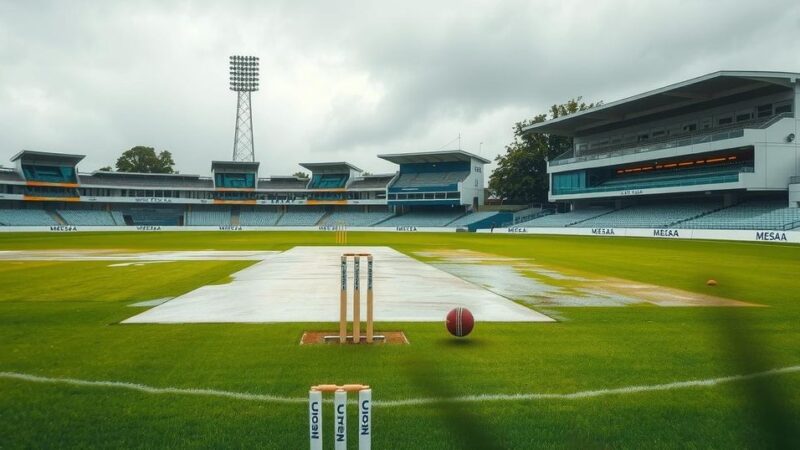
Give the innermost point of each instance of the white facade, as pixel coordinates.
(750, 115)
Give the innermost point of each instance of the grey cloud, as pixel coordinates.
(347, 80)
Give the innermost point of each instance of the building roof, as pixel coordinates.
(31, 155)
(282, 182)
(330, 167)
(7, 174)
(159, 180)
(708, 88)
(235, 165)
(379, 181)
(438, 156)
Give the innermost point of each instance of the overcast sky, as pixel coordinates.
(349, 80)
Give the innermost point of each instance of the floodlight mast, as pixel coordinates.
(244, 80)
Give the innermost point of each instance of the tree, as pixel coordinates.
(144, 160)
(521, 173)
(106, 169)
(300, 175)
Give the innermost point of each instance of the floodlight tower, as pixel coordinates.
(244, 80)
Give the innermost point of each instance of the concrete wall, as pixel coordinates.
(726, 235)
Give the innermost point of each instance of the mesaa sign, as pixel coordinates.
(666, 233)
(770, 236)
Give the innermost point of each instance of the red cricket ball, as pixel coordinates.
(459, 322)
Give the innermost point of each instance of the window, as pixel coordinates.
(658, 133)
(725, 120)
(429, 196)
(643, 137)
(453, 195)
(744, 116)
(706, 123)
(783, 107)
(689, 127)
(764, 110)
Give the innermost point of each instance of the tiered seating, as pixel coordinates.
(156, 216)
(26, 217)
(356, 218)
(301, 216)
(472, 218)
(764, 215)
(651, 216)
(117, 217)
(211, 217)
(328, 181)
(87, 217)
(423, 219)
(259, 218)
(565, 219)
(415, 179)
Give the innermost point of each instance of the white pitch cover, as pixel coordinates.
(340, 420)
(365, 419)
(315, 419)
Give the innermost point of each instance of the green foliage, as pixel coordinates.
(300, 174)
(521, 173)
(106, 169)
(144, 160)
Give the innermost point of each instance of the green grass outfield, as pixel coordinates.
(59, 319)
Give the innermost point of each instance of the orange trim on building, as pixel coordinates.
(235, 189)
(326, 202)
(33, 198)
(48, 184)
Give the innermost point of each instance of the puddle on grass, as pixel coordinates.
(139, 263)
(510, 282)
(148, 303)
(529, 283)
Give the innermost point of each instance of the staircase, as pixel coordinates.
(57, 217)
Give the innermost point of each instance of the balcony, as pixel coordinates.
(729, 174)
(702, 136)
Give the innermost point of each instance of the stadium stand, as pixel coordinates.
(566, 219)
(208, 217)
(419, 179)
(754, 215)
(371, 182)
(87, 217)
(155, 216)
(26, 217)
(486, 217)
(355, 218)
(328, 181)
(423, 218)
(301, 216)
(667, 141)
(658, 215)
(282, 183)
(259, 217)
(7, 174)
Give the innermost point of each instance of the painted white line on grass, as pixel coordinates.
(406, 402)
(589, 394)
(151, 389)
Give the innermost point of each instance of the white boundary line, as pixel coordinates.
(710, 382)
